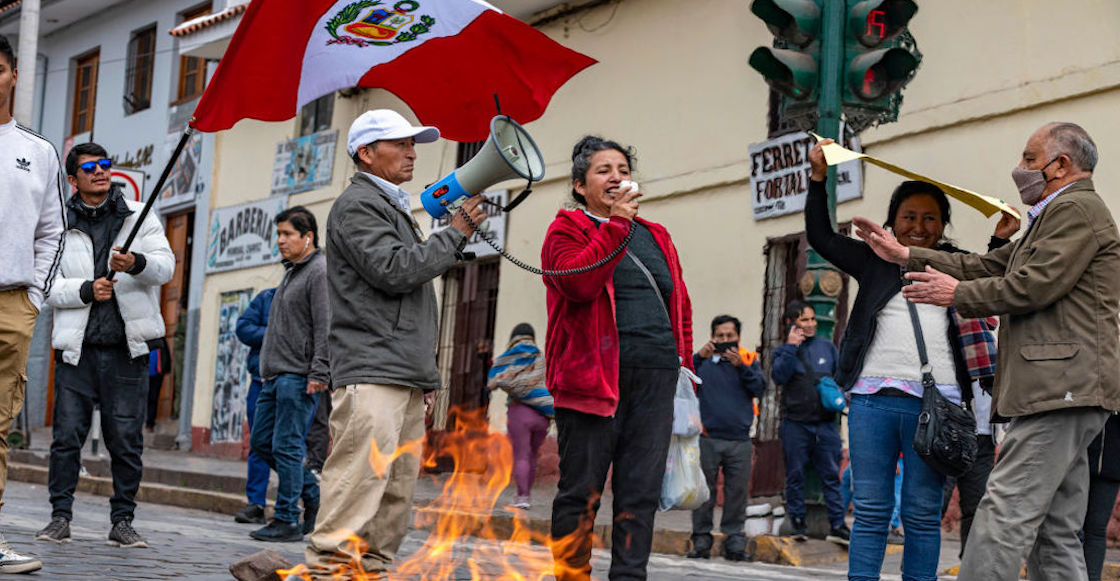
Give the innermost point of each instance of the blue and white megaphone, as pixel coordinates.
(508, 153)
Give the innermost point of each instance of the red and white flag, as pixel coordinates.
(445, 58)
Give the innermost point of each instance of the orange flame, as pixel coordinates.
(483, 463)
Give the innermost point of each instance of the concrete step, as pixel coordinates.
(220, 502)
(100, 467)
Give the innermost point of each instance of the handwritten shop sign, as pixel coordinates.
(780, 176)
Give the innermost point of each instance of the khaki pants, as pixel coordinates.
(355, 499)
(17, 321)
(1035, 501)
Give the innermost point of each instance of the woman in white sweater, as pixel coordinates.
(880, 369)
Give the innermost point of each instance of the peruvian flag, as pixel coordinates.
(445, 58)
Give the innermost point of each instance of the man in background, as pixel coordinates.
(732, 378)
(251, 326)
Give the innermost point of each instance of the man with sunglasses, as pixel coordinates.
(31, 225)
(103, 332)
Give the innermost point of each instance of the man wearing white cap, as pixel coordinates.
(382, 342)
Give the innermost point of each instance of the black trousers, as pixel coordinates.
(155, 382)
(635, 441)
(972, 485)
(111, 378)
(319, 434)
(1102, 499)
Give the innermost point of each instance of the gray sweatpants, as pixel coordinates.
(1035, 501)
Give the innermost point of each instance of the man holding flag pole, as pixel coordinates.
(470, 53)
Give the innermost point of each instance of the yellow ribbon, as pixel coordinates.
(834, 154)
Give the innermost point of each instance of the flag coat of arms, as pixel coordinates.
(445, 58)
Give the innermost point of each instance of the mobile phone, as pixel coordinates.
(726, 346)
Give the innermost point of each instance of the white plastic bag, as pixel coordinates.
(684, 486)
(686, 407)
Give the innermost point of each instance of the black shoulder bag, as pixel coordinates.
(946, 434)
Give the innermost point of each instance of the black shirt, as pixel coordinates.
(645, 334)
(102, 224)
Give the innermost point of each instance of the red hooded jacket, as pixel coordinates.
(582, 342)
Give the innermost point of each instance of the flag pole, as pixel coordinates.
(187, 133)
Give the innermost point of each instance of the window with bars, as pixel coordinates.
(138, 75)
(85, 92)
(316, 115)
(466, 151)
(192, 70)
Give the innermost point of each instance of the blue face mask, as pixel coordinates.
(1031, 182)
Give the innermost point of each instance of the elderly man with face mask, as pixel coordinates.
(1056, 376)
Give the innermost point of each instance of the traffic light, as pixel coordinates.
(791, 66)
(877, 62)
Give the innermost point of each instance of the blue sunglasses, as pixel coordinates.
(91, 166)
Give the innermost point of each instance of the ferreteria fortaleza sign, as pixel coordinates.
(244, 236)
(780, 175)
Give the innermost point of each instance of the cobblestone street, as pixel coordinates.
(197, 545)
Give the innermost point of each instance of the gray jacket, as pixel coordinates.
(296, 338)
(384, 319)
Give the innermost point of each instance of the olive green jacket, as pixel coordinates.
(1058, 291)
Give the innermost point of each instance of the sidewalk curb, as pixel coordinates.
(219, 502)
(766, 549)
(101, 468)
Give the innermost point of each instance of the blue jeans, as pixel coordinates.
(881, 427)
(284, 409)
(819, 443)
(256, 481)
(846, 492)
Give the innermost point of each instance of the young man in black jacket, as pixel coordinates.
(732, 378)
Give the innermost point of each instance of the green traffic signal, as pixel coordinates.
(873, 22)
(797, 22)
(791, 73)
(878, 73)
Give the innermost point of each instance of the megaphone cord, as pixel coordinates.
(542, 272)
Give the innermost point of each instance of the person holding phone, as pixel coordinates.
(731, 379)
(808, 432)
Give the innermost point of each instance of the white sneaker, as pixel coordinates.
(521, 502)
(13, 562)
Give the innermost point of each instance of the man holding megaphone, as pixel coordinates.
(383, 329)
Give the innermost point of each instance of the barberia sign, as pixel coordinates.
(244, 236)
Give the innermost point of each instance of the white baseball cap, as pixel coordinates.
(381, 124)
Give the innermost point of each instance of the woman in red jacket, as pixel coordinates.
(613, 350)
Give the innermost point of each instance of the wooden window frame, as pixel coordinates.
(91, 59)
(139, 74)
(187, 89)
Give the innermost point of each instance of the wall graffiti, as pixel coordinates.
(231, 375)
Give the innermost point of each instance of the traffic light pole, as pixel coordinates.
(831, 85)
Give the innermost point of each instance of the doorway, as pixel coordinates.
(785, 266)
(466, 347)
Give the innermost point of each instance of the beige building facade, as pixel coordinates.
(672, 80)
